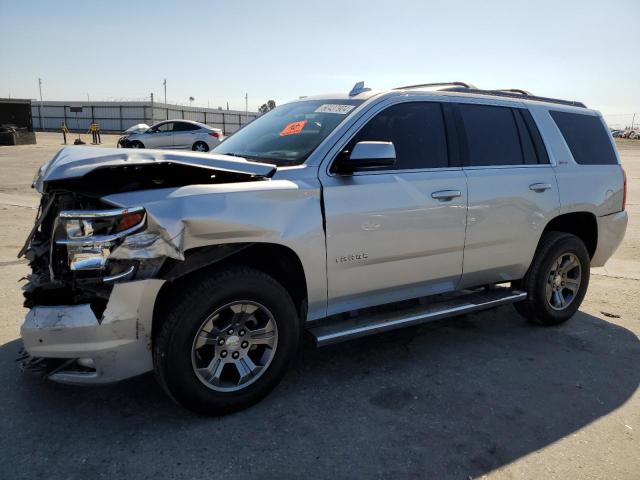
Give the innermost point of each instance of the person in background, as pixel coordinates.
(94, 130)
(65, 130)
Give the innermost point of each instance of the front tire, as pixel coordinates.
(557, 280)
(226, 341)
(137, 144)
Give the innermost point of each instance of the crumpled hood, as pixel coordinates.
(74, 162)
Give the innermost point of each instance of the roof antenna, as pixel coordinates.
(358, 88)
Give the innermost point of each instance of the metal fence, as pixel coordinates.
(118, 116)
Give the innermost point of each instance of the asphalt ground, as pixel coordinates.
(479, 395)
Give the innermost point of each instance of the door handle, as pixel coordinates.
(446, 195)
(539, 187)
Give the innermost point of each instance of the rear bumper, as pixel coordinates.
(611, 230)
(115, 347)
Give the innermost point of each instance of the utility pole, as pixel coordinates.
(88, 97)
(633, 120)
(40, 87)
(246, 108)
(152, 109)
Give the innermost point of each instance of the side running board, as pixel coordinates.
(338, 328)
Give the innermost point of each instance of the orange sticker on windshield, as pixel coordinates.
(293, 128)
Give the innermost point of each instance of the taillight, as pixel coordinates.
(624, 190)
(215, 134)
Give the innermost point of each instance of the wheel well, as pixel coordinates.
(277, 261)
(581, 224)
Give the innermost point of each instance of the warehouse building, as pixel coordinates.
(16, 126)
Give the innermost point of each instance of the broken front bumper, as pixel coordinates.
(93, 350)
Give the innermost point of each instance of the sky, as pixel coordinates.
(216, 51)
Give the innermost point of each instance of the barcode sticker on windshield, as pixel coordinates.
(334, 108)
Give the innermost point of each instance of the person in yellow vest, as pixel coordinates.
(65, 130)
(94, 130)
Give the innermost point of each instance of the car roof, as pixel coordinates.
(192, 122)
(459, 90)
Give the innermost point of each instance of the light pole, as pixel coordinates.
(164, 84)
(40, 107)
(165, 98)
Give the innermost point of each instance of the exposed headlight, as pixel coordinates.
(91, 235)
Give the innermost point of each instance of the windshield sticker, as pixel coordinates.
(334, 108)
(293, 128)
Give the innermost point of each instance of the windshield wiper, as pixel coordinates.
(248, 157)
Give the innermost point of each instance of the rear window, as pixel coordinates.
(586, 137)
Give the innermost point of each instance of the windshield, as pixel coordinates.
(288, 134)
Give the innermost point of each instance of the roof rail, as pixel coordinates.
(512, 90)
(515, 93)
(438, 84)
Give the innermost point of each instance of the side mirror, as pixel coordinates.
(369, 156)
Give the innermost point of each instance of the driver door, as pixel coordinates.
(394, 234)
(160, 136)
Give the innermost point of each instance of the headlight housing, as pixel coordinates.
(90, 235)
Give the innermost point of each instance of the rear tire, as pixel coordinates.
(556, 281)
(200, 147)
(212, 352)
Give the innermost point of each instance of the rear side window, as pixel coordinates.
(492, 135)
(528, 150)
(586, 137)
(184, 127)
(417, 131)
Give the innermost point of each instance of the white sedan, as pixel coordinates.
(173, 134)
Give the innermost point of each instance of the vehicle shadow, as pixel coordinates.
(451, 399)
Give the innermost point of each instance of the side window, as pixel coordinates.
(416, 130)
(492, 135)
(184, 127)
(538, 143)
(165, 127)
(587, 138)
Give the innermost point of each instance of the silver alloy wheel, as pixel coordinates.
(234, 346)
(563, 282)
(200, 147)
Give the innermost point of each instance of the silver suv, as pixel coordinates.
(339, 215)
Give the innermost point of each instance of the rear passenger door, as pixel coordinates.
(397, 233)
(184, 134)
(512, 191)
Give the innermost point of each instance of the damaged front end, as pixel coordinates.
(70, 249)
(86, 321)
(94, 265)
